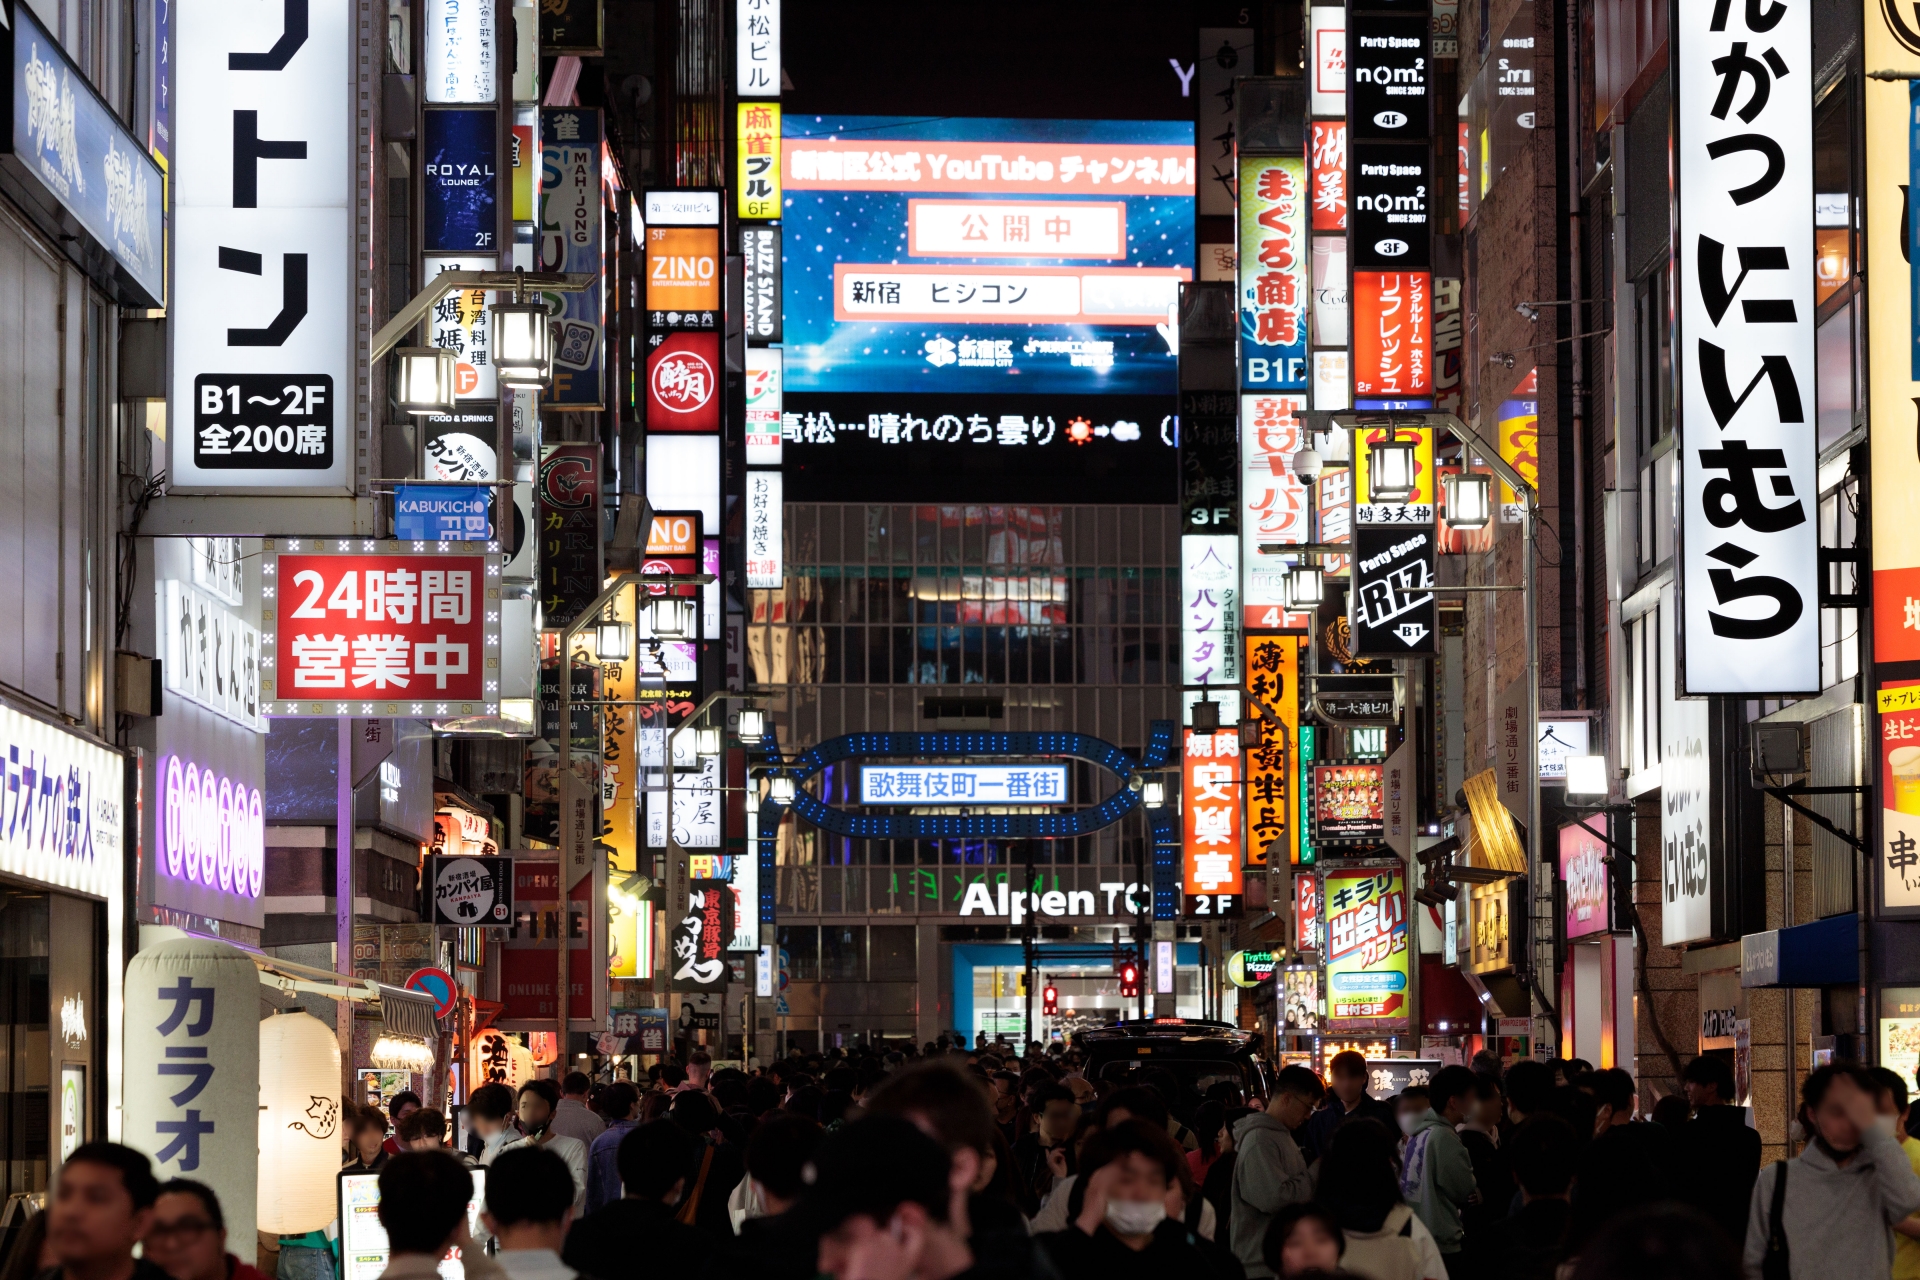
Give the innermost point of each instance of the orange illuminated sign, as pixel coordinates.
(1210, 779)
(683, 268)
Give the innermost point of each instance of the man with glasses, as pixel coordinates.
(188, 1238)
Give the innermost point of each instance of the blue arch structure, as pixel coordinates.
(905, 826)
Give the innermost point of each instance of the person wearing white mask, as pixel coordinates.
(1125, 1219)
(490, 1112)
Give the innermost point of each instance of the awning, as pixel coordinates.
(1825, 953)
(408, 1013)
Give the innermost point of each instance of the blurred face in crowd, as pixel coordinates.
(1349, 1085)
(1056, 1121)
(1309, 1247)
(183, 1241)
(92, 1221)
(534, 1112)
(367, 1139)
(1844, 1113)
(1484, 1112)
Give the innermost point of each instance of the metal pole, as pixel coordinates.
(343, 893)
(1789, 865)
(1542, 880)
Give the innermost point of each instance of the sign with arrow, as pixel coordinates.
(1392, 603)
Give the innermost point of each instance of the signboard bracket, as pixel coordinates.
(1785, 796)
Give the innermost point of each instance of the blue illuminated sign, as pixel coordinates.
(441, 513)
(964, 784)
(460, 146)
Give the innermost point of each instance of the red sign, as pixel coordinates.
(530, 951)
(1210, 776)
(1328, 166)
(381, 632)
(1306, 912)
(683, 383)
(1392, 334)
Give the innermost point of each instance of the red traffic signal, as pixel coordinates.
(1130, 980)
(1050, 1000)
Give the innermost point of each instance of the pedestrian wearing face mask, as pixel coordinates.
(490, 1113)
(1126, 1223)
(538, 1103)
(1830, 1211)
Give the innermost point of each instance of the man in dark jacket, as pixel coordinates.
(1719, 1154)
(778, 1245)
(657, 1166)
(1532, 1243)
(1347, 1097)
(1626, 1165)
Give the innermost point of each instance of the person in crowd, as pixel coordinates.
(1487, 1063)
(699, 1072)
(490, 1112)
(945, 1103)
(188, 1238)
(1385, 1239)
(656, 1162)
(1217, 1188)
(404, 1104)
(424, 1201)
(1127, 1221)
(621, 1104)
(1269, 1172)
(1671, 1110)
(880, 1205)
(775, 1244)
(1533, 1242)
(426, 1130)
(1304, 1239)
(1480, 1133)
(1530, 1089)
(100, 1208)
(718, 1165)
(529, 1207)
(1436, 1174)
(1627, 1164)
(1064, 1164)
(1209, 1124)
(1830, 1208)
(1346, 1096)
(670, 1077)
(538, 1102)
(1055, 1112)
(1717, 1154)
(367, 1132)
(573, 1118)
(1177, 1098)
(1891, 1099)
(1661, 1242)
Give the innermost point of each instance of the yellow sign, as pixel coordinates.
(1423, 477)
(619, 798)
(1492, 932)
(1495, 840)
(1903, 698)
(759, 146)
(1273, 804)
(1517, 425)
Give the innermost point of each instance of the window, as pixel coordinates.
(1643, 653)
(802, 945)
(1833, 371)
(843, 953)
(1840, 628)
(894, 955)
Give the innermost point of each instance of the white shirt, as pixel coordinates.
(571, 1150)
(533, 1264)
(572, 1119)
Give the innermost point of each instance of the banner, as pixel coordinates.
(1275, 506)
(567, 505)
(759, 149)
(1273, 273)
(1211, 811)
(1366, 924)
(571, 240)
(1272, 801)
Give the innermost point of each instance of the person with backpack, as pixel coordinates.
(1385, 1239)
(1830, 1211)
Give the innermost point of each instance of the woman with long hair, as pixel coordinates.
(1360, 1182)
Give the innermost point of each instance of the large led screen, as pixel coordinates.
(976, 303)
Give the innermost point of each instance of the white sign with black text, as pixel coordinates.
(1744, 352)
(757, 55)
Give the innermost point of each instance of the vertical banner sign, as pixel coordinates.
(1366, 949)
(1273, 671)
(683, 383)
(1686, 794)
(764, 367)
(1392, 340)
(1210, 613)
(760, 257)
(567, 505)
(1275, 506)
(1209, 457)
(1391, 604)
(1448, 385)
(757, 51)
(765, 523)
(571, 240)
(1517, 426)
(1210, 808)
(459, 149)
(1743, 85)
(1390, 206)
(701, 936)
(460, 322)
(457, 64)
(620, 767)
(263, 299)
(1329, 173)
(1273, 273)
(525, 158)
(759, 148)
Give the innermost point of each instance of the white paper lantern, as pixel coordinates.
(193, 1068)
(498, 1058)
(299, 1123)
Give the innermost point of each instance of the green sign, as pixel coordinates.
(1250, 968)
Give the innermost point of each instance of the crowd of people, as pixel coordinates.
(956, 1164)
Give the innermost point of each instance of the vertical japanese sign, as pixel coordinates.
(459, 149)
(765, 519)
(460, 322)
(1392, 340)
(1449, 385)
(1210, 810)
(457, 64)
(757, 49)
(381, 633)
(1273, 273)
(1210, 613)
(1366, 949)
(760, 256)
(1744, 354)
(764, 367)
(1273, 801)
(758, 143)
(1329, 173)
(1275, 505)
(700, 938)
(571, 240)
(567, 507)
(620, 755)
(263, 250)
(1686, 795)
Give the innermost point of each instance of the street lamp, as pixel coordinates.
(1305, 586)
(706, 741)
(522, 341)
(1586, 776)
(1390, 470)
(753, 724)
(1153, 793)
(671, 617)
(611, 641)
(1469, 499)
(423, 379)
(780, 789)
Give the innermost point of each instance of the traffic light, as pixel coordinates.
(1050, 1000)
(1129, 979)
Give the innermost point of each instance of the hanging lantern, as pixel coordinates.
(299, 1124)
(1469, 499)
(498, 1058)
(1390, 471)
(192, 1054)
(545, 1048)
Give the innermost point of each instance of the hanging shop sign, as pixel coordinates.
(1327, 168)
(457, 64)
(1275, 505)
(1389, 222)
(1211, 812)
(567, 497)
(571, 240)
(1272, 799)
(1393, 610)
(1490, 922)
(683, 383)
(572, 26)
(1388, 76)
(212, 655)
(77, 169)
(760, 259)
(462, 446)
(764, 369)
(1366, 950)
(1327, 37)
(1686, 795)
(758, 146)
(442, 513)
(381, 631)
(963, 784)
(1899, 765)
(264, 282)
(1251, 968)
(1273, 273)
(756, 66)
(459, 155)
(1348, 803)
(1892, 35)
(1583, 866)
(683, 276)
(697, 957)
(1210, 613)
(1744, 349)
(211, 830)
(1392, 340)
(1306, 912)
(461, 323)
(470, 892)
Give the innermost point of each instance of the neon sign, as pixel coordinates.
(212, 830)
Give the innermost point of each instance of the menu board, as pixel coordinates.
(363, 1240)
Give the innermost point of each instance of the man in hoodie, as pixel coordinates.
(1436, 1173)
(1844, 1193)
(1269, 1171)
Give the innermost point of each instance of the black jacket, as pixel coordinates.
(608, 1243)
(1175, 1252)
(1719, 1159)
(1627, 1166)
(1531, 1244)
(1322, 1123)
(772, 1248)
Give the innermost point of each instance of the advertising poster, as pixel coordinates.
(1273, 273)
(459, 153)
(1900, 1030)
(1392, 340)
(1275, 506)
(1899, 705)
(1210, 805)
(1517, 425)
(1273, 666)
(1300, 992)
(570, 239)
(1349, 803)
(1366, 951)
(1584, 869)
